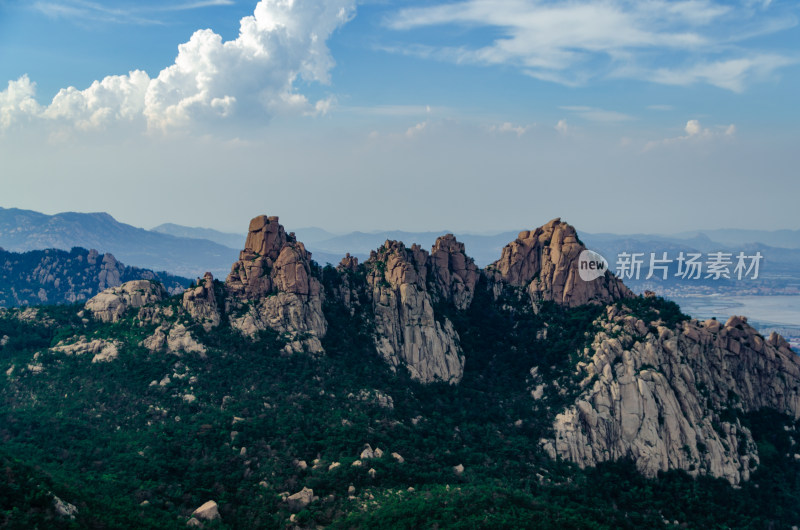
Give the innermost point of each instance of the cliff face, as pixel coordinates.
(657, 395)
(454, 274)
(406, 330)
(271, 287)
(544, 261)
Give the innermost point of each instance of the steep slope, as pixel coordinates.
(670, 396)
(57, 276)
(23, 230)
(407, 331)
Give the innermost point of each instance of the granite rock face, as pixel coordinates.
(112, 303)
(454, 274)
(273, 275)
(654, 395)
(545, 262)
(406, 330)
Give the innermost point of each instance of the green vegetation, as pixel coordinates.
(653, 308)
(124, 443)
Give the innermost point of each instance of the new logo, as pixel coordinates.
(591, 265)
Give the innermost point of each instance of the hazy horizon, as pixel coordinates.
(365, 115)
(243, 230)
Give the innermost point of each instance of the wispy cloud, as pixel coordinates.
(195, 5)
(573, 42)
(598, 115)
(138, 14)
(417, 129)
(508, 127)
(93, 12)
(732, 74)
(393, 110)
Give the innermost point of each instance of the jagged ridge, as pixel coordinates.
(650, 390)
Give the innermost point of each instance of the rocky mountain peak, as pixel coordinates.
(397, 265)
(545, 262)
(271, 261)
(275, 271)
(265, 237)
(453, 272)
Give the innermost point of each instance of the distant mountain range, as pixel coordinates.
(221, 238)
(23, 230)
(55, 276)
(191, 251)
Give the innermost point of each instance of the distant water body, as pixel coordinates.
(762, 311)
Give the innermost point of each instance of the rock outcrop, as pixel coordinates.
(174, 339)
(300, 500)
(209, 511)
(110, 269)
(406, 329)
(101, 350)
(201, 302)
(545, 262)
(274, 274)
(112, 303)
(655, 394)
(454, 274)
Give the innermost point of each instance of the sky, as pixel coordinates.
(465, 115)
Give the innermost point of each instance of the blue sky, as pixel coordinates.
(465, 115)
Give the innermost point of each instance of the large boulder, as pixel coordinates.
(209, 511)
(111, 304)
(300, 500)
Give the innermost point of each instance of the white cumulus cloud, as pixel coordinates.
(692, 128)
(695, 132)
(252, 76)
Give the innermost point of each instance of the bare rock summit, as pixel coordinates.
(274, 275)
(454, 273)
(544, 261)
